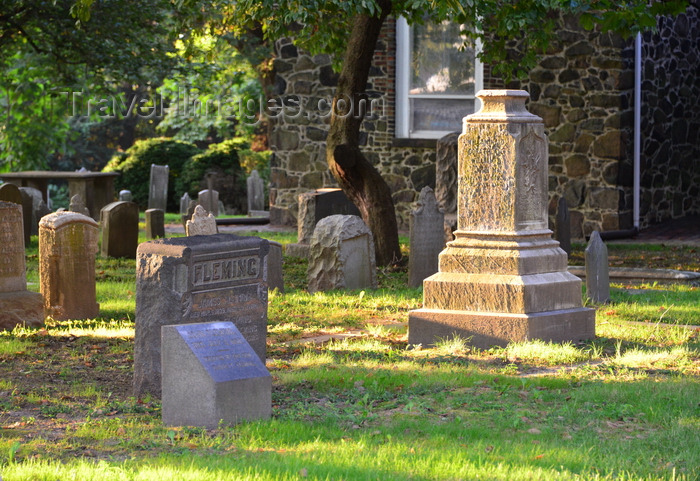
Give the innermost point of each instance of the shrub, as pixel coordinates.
(135, 167)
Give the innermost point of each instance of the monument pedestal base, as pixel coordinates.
(486, 329)
(23, 308)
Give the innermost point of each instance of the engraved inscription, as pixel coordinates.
(221, 270)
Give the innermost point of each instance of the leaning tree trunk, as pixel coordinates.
(358, 178)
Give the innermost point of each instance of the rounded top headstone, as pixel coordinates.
(59, 219)
(502, 106)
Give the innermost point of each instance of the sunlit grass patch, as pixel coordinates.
(679, 357)
(547, 353)
(115, 328)
(11, 345)
(652, 334)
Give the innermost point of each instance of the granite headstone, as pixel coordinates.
(120, 229)
(158, 187)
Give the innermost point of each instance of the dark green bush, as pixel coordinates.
(135, 168)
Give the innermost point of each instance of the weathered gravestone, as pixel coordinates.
(211, 376)
(341, 255)
(77, 204)
(184, 203)
(155, 224)
(209, 199)
(201, 223)
(126, 195)
(446, 181)
(158, 187)
(37, 208)
(10, 193)
(256, 192)
(120, 229)
(18, 307)
(597, 271)
(67, 249)
(314, 206)
(562, 227)
(503, 278)
(183, 280)
(275, 280)
(427, 238)
(14, 194)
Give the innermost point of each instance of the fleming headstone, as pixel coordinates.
(67, 249)
(209, 199)
(18, 307)
(341, 255)
(126, 195)
(256, 192)
(201, 223)
(597, 271)
(562, 226)
(211, 377)
(77, 204)
(158, 187)
(427, 238)
(155, 224)
(120, 229)
(446, 181)
(503, 279)
(314, 206)
(186, 280)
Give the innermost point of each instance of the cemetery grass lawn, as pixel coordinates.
(624, 406)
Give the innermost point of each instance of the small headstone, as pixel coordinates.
(209, 199)
(201, 223)
(38, 208)
(67, 249)
(126, 196)
(189, 212)
(17, 305)
(155, 224)
(341, 255)
(211, 376)
(77, 204)
(185, 280)
(446, 181)
(10, 193)
(427, 238)
(275, 280)
(27, 212)
(597, 273)
(562, 227)
(184, 203)
(158, 187)
(256, 192)
(120, 229)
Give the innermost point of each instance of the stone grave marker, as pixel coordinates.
(563, 226)
(10, 193)
(67, 249)
(597, 270)
(158, 187)
(37, 208)
(503, 278)
(17, 305)
(184, 203)
(446, 181)
(77, 204)
(256, 192)
(126, 195)
(341, 255)
(275, 280)
(427, 238)
(155, 224)
(120, 229)
(184, 280)
(209, 199)
(14, 194)
(27, 212)
(314, 206)
(201, 223)
(211, 376)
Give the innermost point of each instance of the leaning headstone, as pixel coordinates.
(184, 280)
(158, 187)
(427, 238)
(256, 192)
(201, 223)
(503, 279)
(597, 270)
(209, 199)
(211, 377)
(67, 249)
(341, 255)
(314, 206)
(18, 307)
(155, 224)
(446, 181)
(126, 195)
(120, 229)
(275, 280)
(562, 227)
(77, 204)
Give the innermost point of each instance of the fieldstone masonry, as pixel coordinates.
(503, 278)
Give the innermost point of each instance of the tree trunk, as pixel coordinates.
(360, 181)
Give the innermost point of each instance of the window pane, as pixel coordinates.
(439, 114)
(437, 64)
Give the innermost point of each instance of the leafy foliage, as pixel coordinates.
(135, 167)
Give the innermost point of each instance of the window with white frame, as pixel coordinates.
(436, 79)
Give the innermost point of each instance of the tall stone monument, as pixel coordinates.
(503, 278)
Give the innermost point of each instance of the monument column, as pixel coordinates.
(503, 278)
